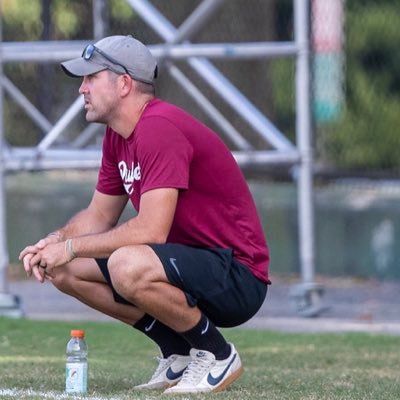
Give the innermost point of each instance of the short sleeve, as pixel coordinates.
(109, 179)
(164, 155)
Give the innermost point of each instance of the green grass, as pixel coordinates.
(277, 365)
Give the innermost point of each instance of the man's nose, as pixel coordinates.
(83, 87)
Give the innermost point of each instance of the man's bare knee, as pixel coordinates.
(132, 270)
(63, 280)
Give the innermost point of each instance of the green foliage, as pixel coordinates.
(66, 19)
(24, 17)
(120, 10)
(283, 94)
(367, 136)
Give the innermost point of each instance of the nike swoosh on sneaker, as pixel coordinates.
(171, 375)
(215, 380)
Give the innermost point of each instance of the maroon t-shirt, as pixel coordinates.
(171, 149)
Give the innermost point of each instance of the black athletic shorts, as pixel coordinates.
(223, 288)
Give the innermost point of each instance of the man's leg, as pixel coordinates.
(83, 280)
(139, 276)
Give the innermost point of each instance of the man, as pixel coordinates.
(193, 259)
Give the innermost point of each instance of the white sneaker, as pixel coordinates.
(168, 372)
(206, 374)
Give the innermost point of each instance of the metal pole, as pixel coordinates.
(37, 117)
(3, 255)
(195, 22)
(215, 79)
(74, 109)
(307, 295)
(9, 304)
(100, 20)
(303, 125)
(209, 108)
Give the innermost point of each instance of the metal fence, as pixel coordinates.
(354, 64)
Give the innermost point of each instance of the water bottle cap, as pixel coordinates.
(77, 333)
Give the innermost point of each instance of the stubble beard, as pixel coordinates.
(98, 117)
(103, 113)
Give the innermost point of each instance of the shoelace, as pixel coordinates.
(195, 371)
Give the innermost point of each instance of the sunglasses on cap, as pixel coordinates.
(90, 49)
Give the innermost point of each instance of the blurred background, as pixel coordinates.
(355, 102)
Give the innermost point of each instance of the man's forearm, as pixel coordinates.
(102, 244)
(84, 222)
(91, 234)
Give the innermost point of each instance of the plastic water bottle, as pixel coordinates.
(77, 365)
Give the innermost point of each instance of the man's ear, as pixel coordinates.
(126, 83)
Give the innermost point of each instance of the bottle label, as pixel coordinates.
(76, 377)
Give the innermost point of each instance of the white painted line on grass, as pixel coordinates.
(26, 393)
